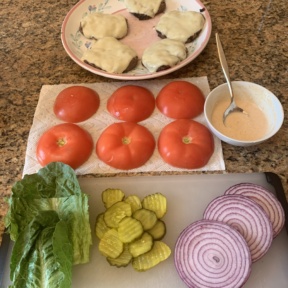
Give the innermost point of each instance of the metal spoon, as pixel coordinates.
(232, 107)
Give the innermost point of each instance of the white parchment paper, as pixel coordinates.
(44, 119)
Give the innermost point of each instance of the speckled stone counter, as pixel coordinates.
(253, 33)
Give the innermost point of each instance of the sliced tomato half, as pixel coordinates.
(125, 145)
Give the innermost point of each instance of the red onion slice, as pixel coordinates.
(265, 199)
(211, 254)
(247, 217)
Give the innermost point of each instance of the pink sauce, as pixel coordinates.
(240, 126)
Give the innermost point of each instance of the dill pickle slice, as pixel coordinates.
(111, 196)
(129, 229)
(134, 201)
(156, 202)
(142, 245)
(114, 214)
(158, 231)
(147, 218)
(123, 259)
(110, 245)
(100, 227)
(159, 252)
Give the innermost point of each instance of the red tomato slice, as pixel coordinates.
(67, 143)
(125, 145)
(131, 103)
(76, 104)
(185, 143)
(180, 100)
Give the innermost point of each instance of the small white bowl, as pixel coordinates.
(254, 93)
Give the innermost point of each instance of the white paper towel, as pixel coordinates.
(44, 119)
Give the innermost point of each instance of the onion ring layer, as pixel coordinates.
(212, 254)
(265, 199)
(247, 217)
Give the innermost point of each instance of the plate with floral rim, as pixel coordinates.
(141, 34)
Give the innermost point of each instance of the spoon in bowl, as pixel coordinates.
(232, 107)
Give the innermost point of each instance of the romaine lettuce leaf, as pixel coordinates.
(52, 188)
(72, 210)
(48, 219)
(52, 181)
(42, 254)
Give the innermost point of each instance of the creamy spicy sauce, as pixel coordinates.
(240, 126)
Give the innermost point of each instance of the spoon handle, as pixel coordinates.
(223, 63)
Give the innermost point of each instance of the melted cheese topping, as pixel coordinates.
(110, 55)
(165, 52)
(99, 25)
(180, 25)
(144, 7)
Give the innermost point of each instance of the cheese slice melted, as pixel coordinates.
(110, 55)
(99, 25)
(180, 25)
(144, 7)
(165, 52)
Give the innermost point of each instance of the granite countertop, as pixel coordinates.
(31, 53)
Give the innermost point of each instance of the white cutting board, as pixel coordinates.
(187, 196)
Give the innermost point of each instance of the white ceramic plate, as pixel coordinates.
(141, 34)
